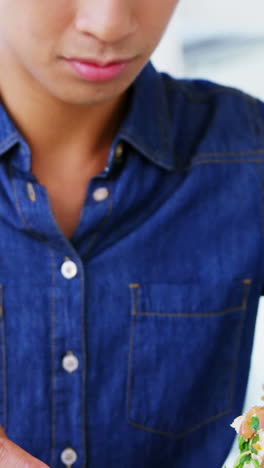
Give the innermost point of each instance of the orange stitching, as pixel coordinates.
(53, 403)
(184, 433)
(131, 345)
(261, 204)
(36, 235)
(219, 153)
(235, 359)
(3, 346)
(229, 153)
(18, 207)
(242, 306)
(246, 282)
(130, 365)
(4, 142)
(84, 368)
(1, 302)
(226, 161)
(195, 315)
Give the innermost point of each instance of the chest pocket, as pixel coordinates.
(184, 345)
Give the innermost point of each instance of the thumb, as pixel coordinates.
(13, 456)
(2, 433)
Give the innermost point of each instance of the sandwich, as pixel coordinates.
(250, 430)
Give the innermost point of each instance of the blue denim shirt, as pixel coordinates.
(129, 344)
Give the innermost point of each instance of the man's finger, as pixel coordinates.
(13, 456)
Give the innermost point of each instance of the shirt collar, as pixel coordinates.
(146, 126)
(10, 137)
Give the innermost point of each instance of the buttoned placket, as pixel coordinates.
(69, 363)
(65, 286)
(67, 310)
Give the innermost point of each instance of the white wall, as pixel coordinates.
(195, 20)
(168, 55)
(222, 15)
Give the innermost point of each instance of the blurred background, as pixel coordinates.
(222, 41)
(219, 40)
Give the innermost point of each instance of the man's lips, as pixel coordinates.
(92, 70)
(98, 63)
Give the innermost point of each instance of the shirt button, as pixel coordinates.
(68, 456)
(31, 192)
(100, 194)
(119, 151)
(69, 269)
(70, 363)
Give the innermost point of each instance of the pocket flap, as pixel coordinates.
(191, 298)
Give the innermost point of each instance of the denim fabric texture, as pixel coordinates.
(161, 312)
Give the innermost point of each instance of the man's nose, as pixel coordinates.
(107, 20)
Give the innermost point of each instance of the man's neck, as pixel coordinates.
(61, 134)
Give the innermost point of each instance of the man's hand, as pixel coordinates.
(13, 456)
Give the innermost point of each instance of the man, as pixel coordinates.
(131, 211)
